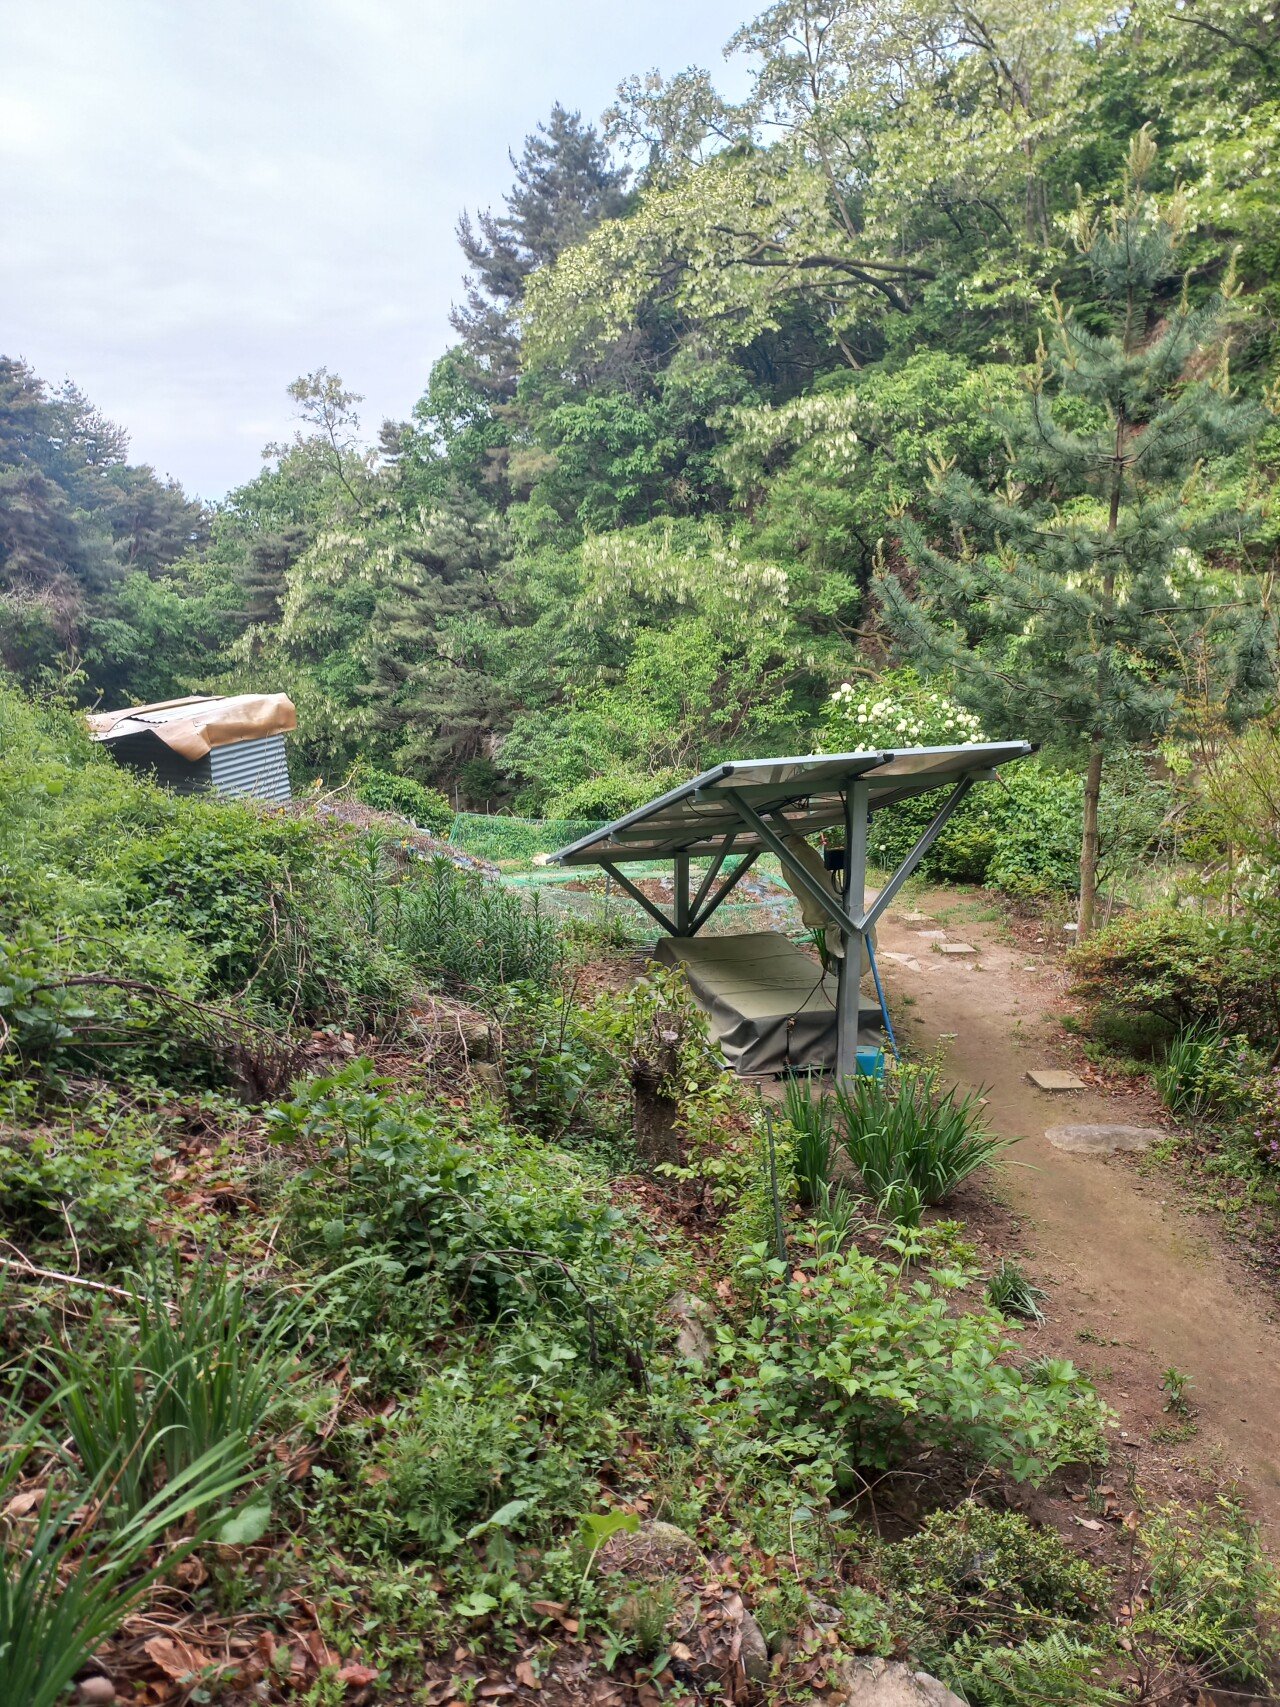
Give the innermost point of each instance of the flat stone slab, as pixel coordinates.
(916, 919)
(933, 936)
(907, 960)
(1054, 1079)
(956, 948)
(1101, 1140)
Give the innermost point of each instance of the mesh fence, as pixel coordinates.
(500, 838)
(760, 904)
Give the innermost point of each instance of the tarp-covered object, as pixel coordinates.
(193, 727)
(770, 1007)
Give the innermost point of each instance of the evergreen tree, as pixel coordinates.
(565, 185)
(1078, 598)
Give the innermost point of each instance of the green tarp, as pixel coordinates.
(770, 1007)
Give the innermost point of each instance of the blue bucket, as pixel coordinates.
(870, 1062)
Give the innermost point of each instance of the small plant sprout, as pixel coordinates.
(1174, 1384)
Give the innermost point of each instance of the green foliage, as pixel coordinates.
(1200, 1072)
(1187, 966)
(92, 1171)
(68, 1580)
(1013, 1294)
(511, 1229)
(973, 1582)
(194, 1381)
(912, 1142)
(467, 932)
(850, 1363)
(1214, 1597)
(811, 1118)
(426, 807)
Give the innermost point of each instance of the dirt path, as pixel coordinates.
(1127, 1267)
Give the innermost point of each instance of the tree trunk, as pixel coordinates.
(1089, 841)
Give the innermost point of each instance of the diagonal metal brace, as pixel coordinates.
(932, 831)
(796, 873)
(730, 883)
(638, 895)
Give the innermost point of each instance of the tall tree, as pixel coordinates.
(1076, 596)
(565, 185)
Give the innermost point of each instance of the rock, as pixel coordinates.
(651, 1554)
(98, 1690)
(692, 1316)
(1054, 1079)
(753, 1656)
(889, 1683)
(1089, 1140)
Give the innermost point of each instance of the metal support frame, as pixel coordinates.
(639, 896)
(686, 920)
(730, 883)
(932, 831)
(848, 990)
(681, 908)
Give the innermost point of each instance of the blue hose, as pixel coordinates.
(884, 1006)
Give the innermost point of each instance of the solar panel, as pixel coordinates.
(801, 796)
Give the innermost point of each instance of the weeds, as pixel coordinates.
(812, 1118)
(1012, 1293)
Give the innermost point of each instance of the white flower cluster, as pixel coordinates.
(916, 719)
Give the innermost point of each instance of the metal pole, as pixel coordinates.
(681, 908)
(855, 885)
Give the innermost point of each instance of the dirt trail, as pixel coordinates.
(1127, 1265)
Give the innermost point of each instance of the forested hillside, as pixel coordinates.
(728, 379)
(399, 1301)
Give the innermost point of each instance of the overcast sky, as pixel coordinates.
(201, 199)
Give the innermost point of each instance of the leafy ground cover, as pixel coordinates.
(339, 1368)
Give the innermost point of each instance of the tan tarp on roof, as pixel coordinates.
(192, 727)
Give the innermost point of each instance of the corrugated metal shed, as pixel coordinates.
(205, 744)
(251, 767)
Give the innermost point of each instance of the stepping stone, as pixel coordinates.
(1054, 1079)
(956, 948)
(1101, 1140)
(916, 919)
(907, 960)
(933, 936)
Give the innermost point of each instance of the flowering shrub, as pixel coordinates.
(896, 710)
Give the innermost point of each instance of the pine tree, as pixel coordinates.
(1076, 600)
(564, 186)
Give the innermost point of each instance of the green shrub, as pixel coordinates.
(1188, 967)
(92, 1172)
(68, 1579)
(508, 1226)
(386, 792)
(1200, 1072)
(811, 1118)
(973, 1579)
(1214, 1597)
(912, 1142)
(851, 1363)
(197, 1377)
(469, 932)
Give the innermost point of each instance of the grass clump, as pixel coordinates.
(1013, 1293)
(912, 1142)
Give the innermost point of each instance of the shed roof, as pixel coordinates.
(700, 817)
(193, 726)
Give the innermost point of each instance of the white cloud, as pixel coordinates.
(202, 200)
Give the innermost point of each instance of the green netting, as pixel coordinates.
(495, 836)
(761, 904)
